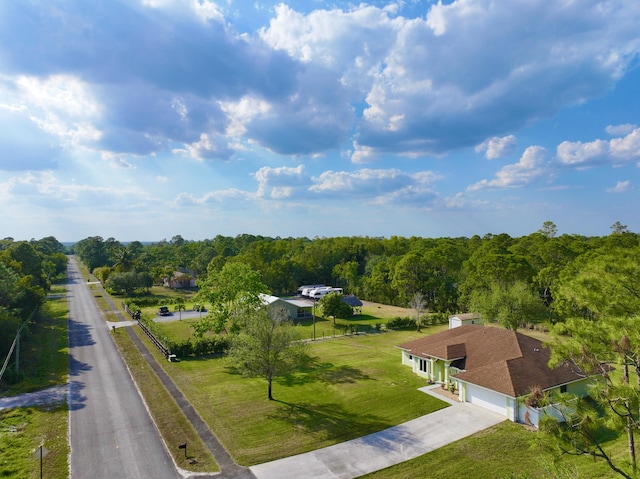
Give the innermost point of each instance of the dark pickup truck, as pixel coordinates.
(163, 311)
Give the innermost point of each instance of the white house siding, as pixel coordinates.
(487, 399)
(512, 408)
(407, 359)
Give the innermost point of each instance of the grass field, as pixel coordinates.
(505, 451)
(44, 362)
(22, 430)
(352, 387)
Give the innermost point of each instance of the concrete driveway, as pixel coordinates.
(385, 448)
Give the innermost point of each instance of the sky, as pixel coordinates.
(147, 119)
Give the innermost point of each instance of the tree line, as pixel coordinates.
(451, 274)
(27, 270)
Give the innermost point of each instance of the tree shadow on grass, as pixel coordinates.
(313, 370)
(329, 421)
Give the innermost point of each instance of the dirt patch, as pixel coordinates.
(446, 393)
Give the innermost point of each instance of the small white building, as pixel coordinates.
(462, 319)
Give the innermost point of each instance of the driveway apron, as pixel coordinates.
(385, 448)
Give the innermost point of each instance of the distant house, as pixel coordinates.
(492, 367)
(298, 308)
(462, 319)
(354, 302)
(180, 279)
(303, 308)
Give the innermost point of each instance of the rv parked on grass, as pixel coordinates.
(320, 292)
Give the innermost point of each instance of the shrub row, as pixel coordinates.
(187, 347)
(148, 300)
(401, 323)
(199, 347)
(407, 323)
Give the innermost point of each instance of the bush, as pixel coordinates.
(438, 318)
(401, 323)
(146, 301)
(199, 347)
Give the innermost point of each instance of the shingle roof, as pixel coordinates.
(499, 359)
(352, 301)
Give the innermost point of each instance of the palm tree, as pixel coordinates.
(124, 260)
(180, 306)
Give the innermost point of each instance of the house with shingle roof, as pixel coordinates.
(492, 367)
(297, 308)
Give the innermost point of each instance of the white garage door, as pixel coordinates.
(487, 399)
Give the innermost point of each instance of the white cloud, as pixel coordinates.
(350, 41)
(621, 187)
(311, 83)
(207, 147)
(229, 199)
(282, 182)
(627, 148)
(620, 130)
(242, 112)
(617, 151)
(577, 153)
(456, 84)
(376, 185)
(45, 189)
(60, 105)
(497, 147)
(532, 166)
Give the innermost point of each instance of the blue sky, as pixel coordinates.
(144, 119)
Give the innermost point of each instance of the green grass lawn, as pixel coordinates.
(44, 360)
(505, 451)
(22, 430)
(353, 386)
(44, 353)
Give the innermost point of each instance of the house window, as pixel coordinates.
(563, 388)
(423, 366)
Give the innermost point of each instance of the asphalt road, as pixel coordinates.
(111, 432)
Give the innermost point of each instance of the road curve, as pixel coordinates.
(110, 431)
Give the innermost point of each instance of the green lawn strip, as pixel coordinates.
(353, 387)
(505, 451)
(171, 422)
(44, 353)
(44, 362)
(22, 430)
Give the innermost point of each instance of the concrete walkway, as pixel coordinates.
(53, 395)
(383, 449)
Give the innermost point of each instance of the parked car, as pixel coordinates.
(163, 311)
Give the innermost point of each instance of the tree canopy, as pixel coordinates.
(267, 346)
